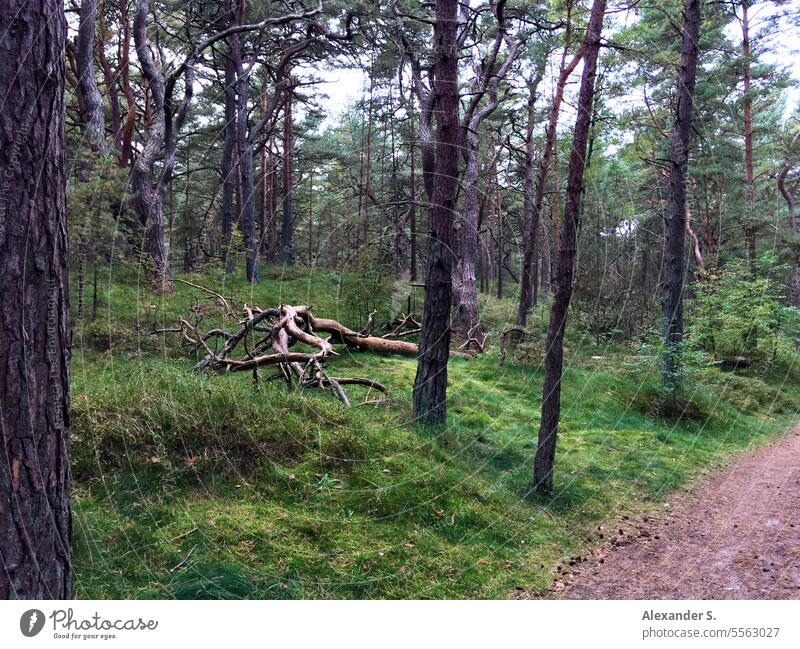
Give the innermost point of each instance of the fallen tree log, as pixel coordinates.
(350, 338)
(284, 328)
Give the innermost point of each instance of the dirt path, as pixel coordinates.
(735, 536)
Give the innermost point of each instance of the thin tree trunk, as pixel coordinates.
(227, 166)
(430, 383)
(109, 78)
(247, 204)
(789, 197)
(673, 266)
(310, 256)
(498, 211)
(287, 257)
(749, 197)
(124, 68)
(535, 207)
(529, 271)
(265, 218)
(93, 118)
(149, 188)
(35, 518)
(546, 268)
(554, 358)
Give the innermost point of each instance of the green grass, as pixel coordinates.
(191, 486)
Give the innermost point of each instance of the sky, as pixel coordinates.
(345, 86)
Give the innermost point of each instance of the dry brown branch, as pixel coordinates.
(220, 298)
(286, 327)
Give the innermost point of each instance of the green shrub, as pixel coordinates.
(366, 286)
(739, 313)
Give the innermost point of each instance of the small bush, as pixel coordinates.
(739, 313)
(103, 334)
(672, 406)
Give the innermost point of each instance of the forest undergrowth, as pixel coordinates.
(191, 485)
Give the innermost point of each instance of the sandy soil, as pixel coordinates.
(735, 536)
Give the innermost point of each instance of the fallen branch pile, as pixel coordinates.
(268, 335)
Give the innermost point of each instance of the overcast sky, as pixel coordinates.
(344, 86)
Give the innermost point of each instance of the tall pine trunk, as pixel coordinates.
(227, 166)
(567, 248)
(533, 210)
(93, 117)
(430, 383)
(35, 523)
(673, 266)
(789, 197)
(247, 202)
(750, 189)
(287, 256)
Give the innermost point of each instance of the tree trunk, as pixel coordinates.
(464, 285)
(247, 204)
(93, 118)
(535, 205)
(130, 102)
(149, 187)
(545, 273)
(227, 166)
(749, 196)
(412, 219)
(35, 519)
(673, 266)
(265, 219)
(498, 212)
(551, 397)
(109, 78)
(430, 383)
(528, 291)
(465, 292)
(789, 197)
(287, 257)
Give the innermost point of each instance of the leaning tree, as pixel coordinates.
(567, 249)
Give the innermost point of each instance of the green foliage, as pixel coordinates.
(366, 286)
(100, 221)
(741, 313)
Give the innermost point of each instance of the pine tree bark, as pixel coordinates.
(287, 223)
(750, 189)
(430, 383)
(567, 248)
(35, 522)
(109, 78)
(789, 196)
(93, 117)
(465, 292)
(129, 124)
(227, 166)
(247, 205)
(673, 265)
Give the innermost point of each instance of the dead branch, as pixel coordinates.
(286, 327)
(220, 298)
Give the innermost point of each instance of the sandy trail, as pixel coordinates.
(734, 536)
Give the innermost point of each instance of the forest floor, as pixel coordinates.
(189, 485)
(736, 535)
